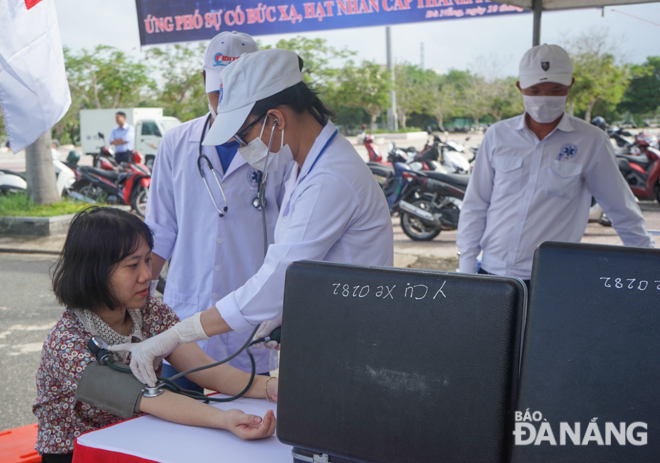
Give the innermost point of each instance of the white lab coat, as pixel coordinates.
(211, 256)
(335, 213)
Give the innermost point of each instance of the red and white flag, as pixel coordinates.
(34, 93)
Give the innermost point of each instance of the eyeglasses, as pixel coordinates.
(240, 136)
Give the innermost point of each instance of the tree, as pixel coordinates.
(367, 87)
(182, 93)
(441, 97)
(107, 78)
(103, 78)
(475, 98)
(643, 94)
(504, 98)
(598, 79)
(317, 57)
(411, 94)
(40, 172)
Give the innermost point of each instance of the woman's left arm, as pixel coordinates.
(223, 378)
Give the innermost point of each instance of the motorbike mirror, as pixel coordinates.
(429, 130)
(101, 135)
(391, 146)
(467, 138)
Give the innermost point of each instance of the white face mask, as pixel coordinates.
(256, 151)
(544, 109)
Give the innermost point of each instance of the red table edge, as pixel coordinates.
(82, 454)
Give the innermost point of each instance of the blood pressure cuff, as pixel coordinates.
(110, 390)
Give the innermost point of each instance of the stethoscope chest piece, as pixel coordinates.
(257, 204)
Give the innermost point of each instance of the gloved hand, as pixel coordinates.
(265, 329)
(144, 354)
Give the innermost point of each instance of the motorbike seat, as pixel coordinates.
(641, 161)
(18, 174)
(107, 174)
(460, 180)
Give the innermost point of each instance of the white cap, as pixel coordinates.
(252, 78)
(545, 63)
(224, 49)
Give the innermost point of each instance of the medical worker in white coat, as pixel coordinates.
(210, 229)
(333, 209)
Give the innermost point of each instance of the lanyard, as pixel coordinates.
(327, 143)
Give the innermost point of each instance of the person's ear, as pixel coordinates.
(278, 119)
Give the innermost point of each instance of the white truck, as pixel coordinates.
(149, 124)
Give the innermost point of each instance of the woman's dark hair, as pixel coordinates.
(98, 238)
(300, 98)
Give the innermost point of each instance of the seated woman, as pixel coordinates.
(103, 278)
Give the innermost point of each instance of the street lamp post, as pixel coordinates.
(392, 121)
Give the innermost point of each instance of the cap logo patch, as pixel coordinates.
(223, 60)
(545, 65)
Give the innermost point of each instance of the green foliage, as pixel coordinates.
(317, 58)
(411, 96)
(107, 78)
(103, 78)
(598, 79)
(505, 99)
(19, 205)
(182, 93)
(643, 93)
(366, 86)
(169, 77)
(441, 96)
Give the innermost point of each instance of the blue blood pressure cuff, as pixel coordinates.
(110, 390)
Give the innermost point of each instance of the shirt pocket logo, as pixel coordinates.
(563, 179)
(568, 151)
(508, 174)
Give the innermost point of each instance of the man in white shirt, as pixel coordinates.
(212, 255)
(122, 138)
(535, 175)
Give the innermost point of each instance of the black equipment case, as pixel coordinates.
(591, 353)
(391, 365)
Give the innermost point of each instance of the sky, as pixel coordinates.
(497, 43)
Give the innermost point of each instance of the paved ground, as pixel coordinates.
(27, 311)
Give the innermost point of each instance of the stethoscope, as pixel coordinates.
(259, 202)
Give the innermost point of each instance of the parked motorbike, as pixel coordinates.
(66, 177)
(16, 182)
(129, 188)
(642, 172)
(105, 158)
(440, 155)
(427, 202)
(12, 182)
(436, 206)
(374, 152)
